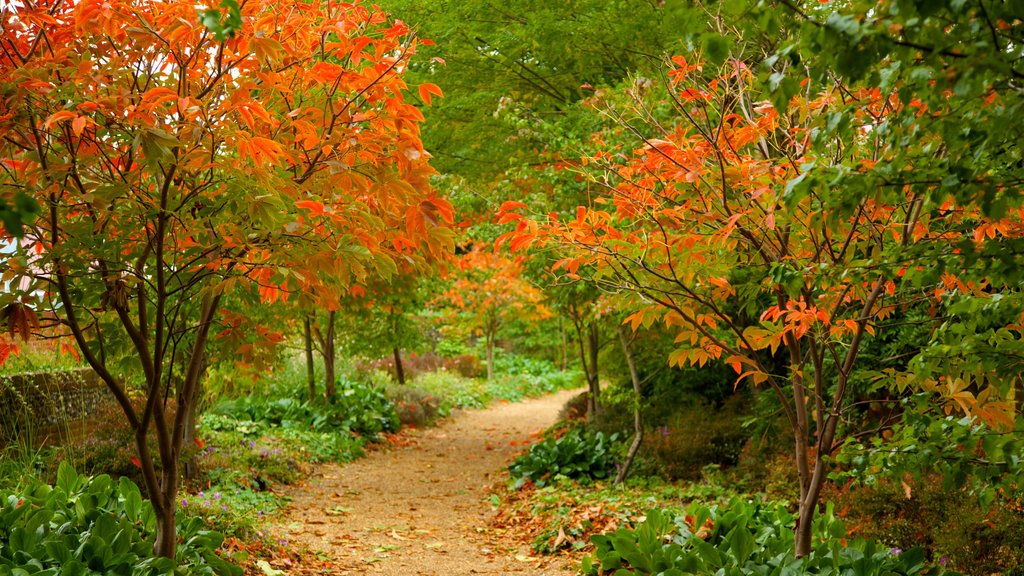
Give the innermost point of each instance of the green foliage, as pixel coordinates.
(577, 455)
(952, 525)
(743, 537)
(961, 451)
(455, 391)
(695, 436)
(358, 408)
(95, 526)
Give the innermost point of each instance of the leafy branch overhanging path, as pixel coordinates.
(422, 509)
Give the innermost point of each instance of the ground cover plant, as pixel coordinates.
(95, 525)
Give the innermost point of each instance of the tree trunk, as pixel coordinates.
(330, 384)
(166, 529)
(399, 370)
(1018, 395)
(307, 333)
(588, 360)
(490, 355)
(593, 382)
(638, 423)
(565, 344)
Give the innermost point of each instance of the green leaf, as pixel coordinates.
(741, 543)
(67, 479)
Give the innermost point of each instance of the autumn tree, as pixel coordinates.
(175, 162)
(712, 213)
(487, 291)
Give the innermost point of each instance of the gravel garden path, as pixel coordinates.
(423, 509)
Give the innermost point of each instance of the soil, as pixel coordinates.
(423, 509)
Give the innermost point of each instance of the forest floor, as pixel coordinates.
(423, 509)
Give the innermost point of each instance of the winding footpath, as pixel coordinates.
(423, 509)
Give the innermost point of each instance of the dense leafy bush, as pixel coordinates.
(952, 484)
(94, 526)
(358, 408)
(577, 455)
(952, 525)
(413, 365)
(695, 436)
(742, 538)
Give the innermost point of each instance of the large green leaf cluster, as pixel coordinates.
(357, 408)
(94, 526)
(741, 538)
(577, 455)
(960, 451)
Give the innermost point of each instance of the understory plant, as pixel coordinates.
(357, 407)
(576, 455)
(84, 526)
(743, 538)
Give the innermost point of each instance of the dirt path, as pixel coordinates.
(422, 509)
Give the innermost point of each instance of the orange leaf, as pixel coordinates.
(58, 117)
(78, 125)
(136, 462)
(317, 208)
(426, 89)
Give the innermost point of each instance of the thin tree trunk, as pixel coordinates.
(490, 354)
(565, 344)
(593, 380)
(330, 385)
(307, 332)
(399, 370)
(638, 423)
(589, 369)
(1018, 395)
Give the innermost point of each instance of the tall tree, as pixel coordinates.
(707, 209)
(175, 161)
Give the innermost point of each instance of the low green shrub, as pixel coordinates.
(454, 391)
(358, 408)
(742, 538)
(93, 526)
(577, 455)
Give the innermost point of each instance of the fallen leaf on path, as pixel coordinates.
(267, 569)
(338, 511)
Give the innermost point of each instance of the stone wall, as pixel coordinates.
(45, 402)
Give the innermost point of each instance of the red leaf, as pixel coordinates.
(136, 462)
(199, 442)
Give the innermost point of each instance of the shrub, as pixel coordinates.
(741, 538)
(575, 408)
(415, 407)
(952, 525)
(694, 437)
(577, 455)
(358, 408)
(96, 526)
(454, 391)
